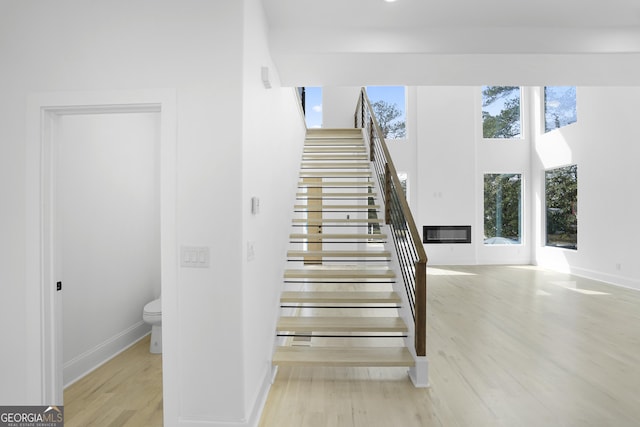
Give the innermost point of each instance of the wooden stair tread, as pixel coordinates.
(315, 132)
(365, 297)
(326, 174)
(343, 356)
(336, 194)
(330, 207)
(340, 149)
(341, 324)
(327, 165)
(339, 254)
(337, 221)
(335, 273)
(324, 156)
(335, 184)
(339, 236)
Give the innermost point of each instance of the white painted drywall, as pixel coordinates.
(447, 170)
(107, 207)
(603, 143)
(194, 48)
(272, 140)
(342, 102)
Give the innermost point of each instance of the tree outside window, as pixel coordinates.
(388, 103)
(502, 209)
(561, 203)
(559, 107)
(501, 112)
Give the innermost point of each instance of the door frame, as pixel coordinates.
(44, 340)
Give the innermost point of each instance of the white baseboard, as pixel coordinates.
(91, 359)
(607, 278)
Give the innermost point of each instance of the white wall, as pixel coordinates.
(339, 106)
(107, 181)
(212, 375)
(272, 141)
(603, 143)
(195, 48)
(447, 174)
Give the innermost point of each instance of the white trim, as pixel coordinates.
(43, 355)
(611, 279)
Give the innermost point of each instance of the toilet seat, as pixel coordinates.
(153, 308)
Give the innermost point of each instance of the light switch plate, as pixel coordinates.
(195, 257)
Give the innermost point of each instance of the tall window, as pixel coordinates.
(388, 103)
(561, 203)
(501, 112)
(559, 107)
(502, 209)
(313, 107)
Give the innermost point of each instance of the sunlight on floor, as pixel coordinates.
(572, 285)
(445, 272)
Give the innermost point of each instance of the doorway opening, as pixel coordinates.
(45, 350)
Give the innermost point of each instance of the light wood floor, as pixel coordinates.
(124, 392)
(507, 346)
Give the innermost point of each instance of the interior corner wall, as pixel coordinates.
(603, 145)
(273, 135)
(194, 48)
(339, 106)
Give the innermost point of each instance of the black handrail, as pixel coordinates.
(412, 257)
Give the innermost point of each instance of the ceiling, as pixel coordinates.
(419, 42)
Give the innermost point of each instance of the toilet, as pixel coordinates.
(152, 314)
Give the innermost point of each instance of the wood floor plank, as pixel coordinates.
(126, 391)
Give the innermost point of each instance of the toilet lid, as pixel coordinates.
(154, 306)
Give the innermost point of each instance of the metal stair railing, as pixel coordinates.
(412, 257)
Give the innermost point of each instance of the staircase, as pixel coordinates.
(339, 307)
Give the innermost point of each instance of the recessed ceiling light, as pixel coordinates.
(390, 1)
